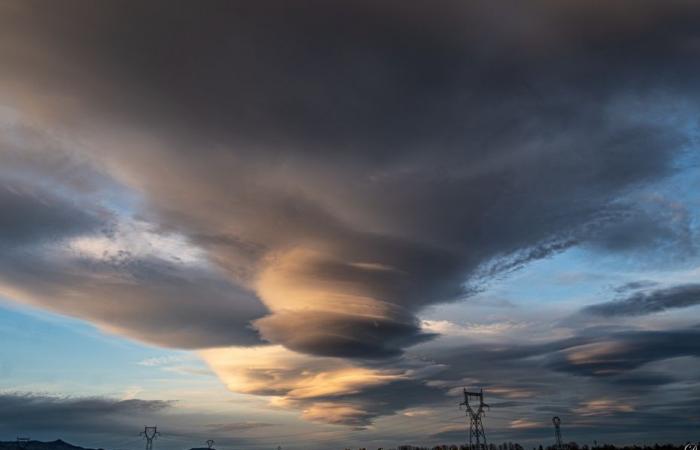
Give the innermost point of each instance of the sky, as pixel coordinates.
(311, 224)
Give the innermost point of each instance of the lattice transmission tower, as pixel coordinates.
(150, 433)
(477, 436)
(557, 432)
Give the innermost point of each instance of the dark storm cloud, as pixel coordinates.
(614, 367)
(307, 73)
(625, 351)
(150, 299)
(31, 216)
(338, 334)
(65, 414)
(153, 301)
(349, 164)
(386, 400)
(62, 251)
(595, 353)
(48, 192)
(648, 302)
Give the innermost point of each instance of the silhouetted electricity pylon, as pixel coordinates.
(557, 432)
(150, 433)
(477, 437)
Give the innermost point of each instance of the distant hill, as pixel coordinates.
(38, 445)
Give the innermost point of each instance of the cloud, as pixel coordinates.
(160, 361)
(474, 330)
(340, 334)
(329, 390)
(69, 415)
(147, 300)
(524, 423)
(33, 215)
(635, 285)
(273, 370)
(621, 352)
(648, 302)
(606, 356)
(69, 247)
(507, 392)
(238, 426)
(336, 413)
(620, 380)
(603, 406)
(351, 185)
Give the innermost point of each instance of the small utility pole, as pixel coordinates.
(476, 426)
(150, 433)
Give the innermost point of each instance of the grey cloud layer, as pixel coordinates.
(32, 216)
(70, 415)
(623, 381)
(147, 297)
(104, 422)
(154, 301)
(648, 302)
(592, 352)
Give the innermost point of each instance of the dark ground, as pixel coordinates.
(38, 445)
